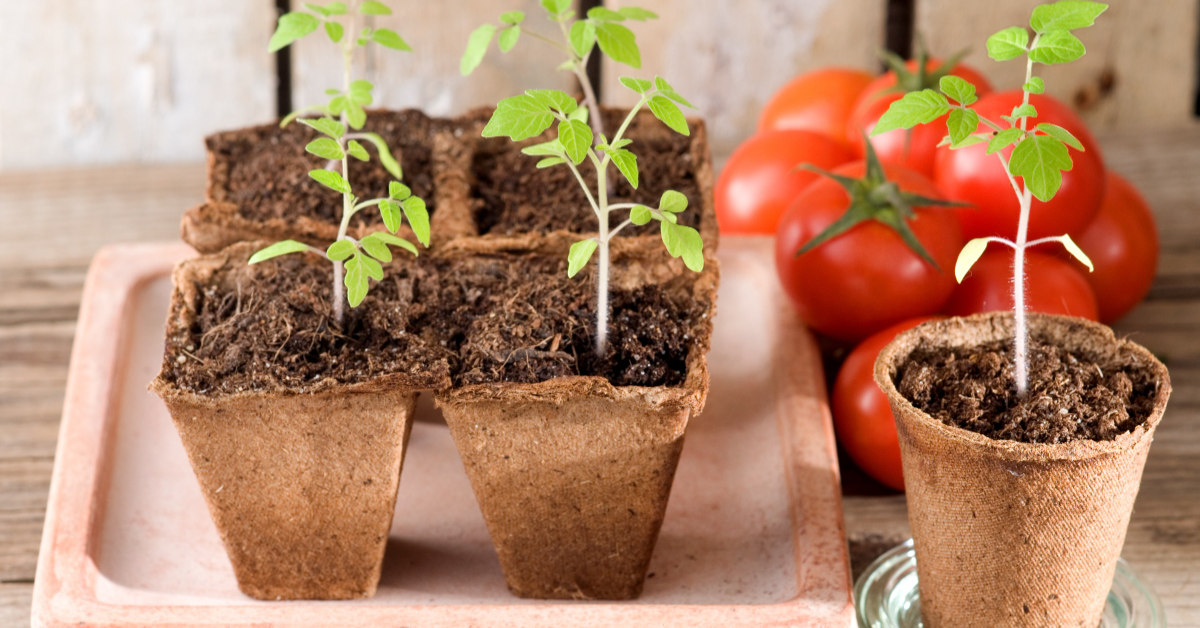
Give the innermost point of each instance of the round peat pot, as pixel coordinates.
(1010, 533)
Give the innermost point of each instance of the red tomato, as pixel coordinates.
(761, 178)
(1122, 243)
(865, 279)
(971, 175)
(917, 149)
(818, 101)
(861, 413)
(1053, 285)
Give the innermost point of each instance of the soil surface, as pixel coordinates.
(270, 326)
(1071, 396)
(268, 168)
(513, 196)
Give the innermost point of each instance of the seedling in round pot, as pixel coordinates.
(295, 413)
(1023, 436)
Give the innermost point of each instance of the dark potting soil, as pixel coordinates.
(513, 196)
(268, 168)
(270, 326)
(1071, 396)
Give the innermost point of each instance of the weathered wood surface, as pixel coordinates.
(1139, 71)
(118, 81)
(39, 297)
(728, 56)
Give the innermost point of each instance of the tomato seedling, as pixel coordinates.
(1039, 155)
(355, 262)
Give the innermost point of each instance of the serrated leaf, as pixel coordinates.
(1024, 110)
(619, 44)
(961, 123)
(508, 38)
(667, 111)
(970, 253)
(1009, 43)
(512, 17)
(357, 151)
(919, 107)
(1040, 160)
(554, 7)
(418, 217)
(331, 180)
(325, 147)
(1002, 140)
(576, 139)
(292, 26)
(550, 162)
(334, 30)
(579, 255)
(603, 14)
(520, 117)
(672, 201)
(1035, 85)
(1065, 15)
(390, 211)
(555, 99)
(626, 162)
(640, 215)
(279, 248)
(389, 38)
(1057, 47)
(371, 7)
(385, 154)
(553, 148)
(398, 190)
(583, 37)
(665, 89)
(1077, 252)
(387, 238)
(638, 85)
(477, 45)
(340, 250)
(1062, 134)
(328, 126)
(376, 249)
(635, 13)
(960, 90)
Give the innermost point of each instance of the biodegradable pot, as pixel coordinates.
(301, 485)
(1009, 533)
(573, 473)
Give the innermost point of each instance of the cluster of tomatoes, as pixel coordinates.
(868, 281)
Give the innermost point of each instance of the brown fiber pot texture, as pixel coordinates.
(573, 474)
(1009, 533)
(301, 487)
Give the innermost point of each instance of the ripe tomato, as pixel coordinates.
(818, 101)
(1052, 285)
(971, 175)
(915, 149)
(761, 178)
(1122, 243)
(861, 413)
(865, 279)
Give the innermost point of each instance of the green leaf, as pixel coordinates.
(619, 44)
(338, 104)
(356, 282)
(418, 217)
(576, 138)
(371, 7)
(970, 253)
(398, 190)
(385, 154)
(960, 90)
(301, 111)
(376, 249)
(1035, 85)
(277, 249)
(334, 30)
(550, 162)
(640, 215)
(1009, 43)
(1040, 160)
(583, 37)
(1002, 140)
(292, 26)
(691, 247)
(325, 147)
(554, 99)
(1024, 110)
(665, 89)
(477, 45)
(919, 107)
(360, 92)
(626, 162)
(508, 38)
(357, 151)
(331, 180)
(320, 10)
(356, 116)
(372, 267)
(553, 148)
(969, 140)
(602, 14)
(328, 126)
(387, 238)
(1076, 252)
(1057, 47)
(672, 201)
(1065, 15)
(389, 38)
(669, 113)
(961, 123)
(580, 115)
(340, 250)
(579, 255)
(336, 8)
(512, 17)
(520, 117)
(670, 238)
(638, 85)
(554, 7)
(1061, 134)
(634, 13)
(390, 211)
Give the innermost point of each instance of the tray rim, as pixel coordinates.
(65, 584)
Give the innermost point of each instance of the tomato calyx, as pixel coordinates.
(874, 197)
(923, 78)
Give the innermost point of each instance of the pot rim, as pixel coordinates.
(999, 325)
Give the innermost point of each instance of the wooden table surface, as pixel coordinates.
(54, 221)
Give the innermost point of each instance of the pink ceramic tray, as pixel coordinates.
(753, 533)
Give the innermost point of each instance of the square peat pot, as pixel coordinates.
(752, 534)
